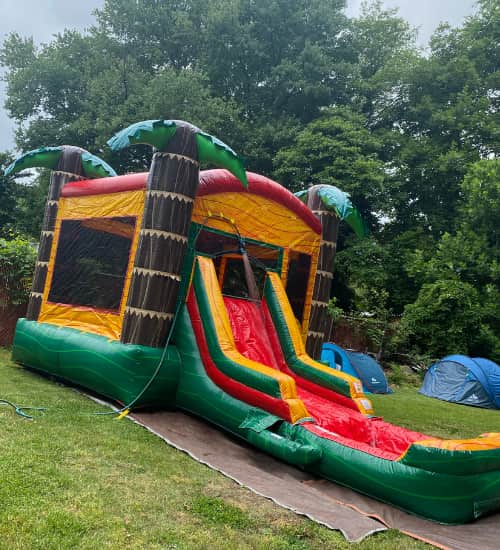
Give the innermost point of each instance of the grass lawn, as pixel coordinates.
(406, 407)
(70, 479)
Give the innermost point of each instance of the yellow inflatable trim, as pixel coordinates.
(228, 346)
(356, 389)
(484, 442)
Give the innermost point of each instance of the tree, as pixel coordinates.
(380, 45)
(441, 115)
(336, 149)
(8, 194)
(17, 262)
(466, 262)
(275, 56)
(445, 319)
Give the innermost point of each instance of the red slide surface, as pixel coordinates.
(256, 339)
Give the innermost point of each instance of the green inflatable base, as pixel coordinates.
(120, 372)
(112, 369)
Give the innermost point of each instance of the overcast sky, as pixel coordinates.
(44, 18)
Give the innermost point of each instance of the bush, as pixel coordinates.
(17, 263)
(447, 317)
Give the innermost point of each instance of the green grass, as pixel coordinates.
(406, 407)
(71, 479)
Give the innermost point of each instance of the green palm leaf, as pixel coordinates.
(95, 167)
(357, 223)
(159, 132)
(339, 202)
(214, 151)
(156, 133)
(48, 157)
(45, 157)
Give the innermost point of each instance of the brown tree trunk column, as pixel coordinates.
(69, 168)
(171, 189)
(324, 275)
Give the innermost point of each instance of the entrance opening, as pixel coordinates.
(225, 249)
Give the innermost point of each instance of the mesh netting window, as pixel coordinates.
(91, 262)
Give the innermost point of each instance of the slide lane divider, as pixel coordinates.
(296, 357)
(267, 388)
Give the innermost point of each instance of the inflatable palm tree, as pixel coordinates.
(330, 205)
(172, 183)
(67, 163)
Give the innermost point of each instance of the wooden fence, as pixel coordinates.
(12, 303)
(361, 334)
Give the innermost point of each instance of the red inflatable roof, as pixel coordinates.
(211, 181)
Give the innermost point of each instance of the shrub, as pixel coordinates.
(447, 317)
(17, 263)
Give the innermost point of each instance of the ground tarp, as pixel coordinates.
(355, 515)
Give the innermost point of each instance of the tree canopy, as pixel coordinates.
(308, 96)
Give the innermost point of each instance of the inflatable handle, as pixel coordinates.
(285, 449)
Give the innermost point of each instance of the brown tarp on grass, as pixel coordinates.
(261, 473)
(355, 515)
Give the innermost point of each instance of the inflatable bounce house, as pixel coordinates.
(360, 365)
(203, 292)
(466, 380)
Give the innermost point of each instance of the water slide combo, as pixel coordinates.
(206, 292)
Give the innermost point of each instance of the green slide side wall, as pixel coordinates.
(452, 462)
(249, 377)
(114, 370)
(197, 393)
(440, 496)
(295, 364)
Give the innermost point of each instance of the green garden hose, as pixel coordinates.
(21, 410)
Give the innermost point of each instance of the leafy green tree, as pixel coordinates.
(275, 55)
(467, 261)
(336, 149)
(163, 34)
(8, 194)
(472, 254)
(17, 263)
(22, 202)
(442, 115)
(81, 89)
(380, 45)
(362, 266)
(31, 197)
(446, 318)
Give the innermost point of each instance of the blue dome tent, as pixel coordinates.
(461, 379)
(357, 364)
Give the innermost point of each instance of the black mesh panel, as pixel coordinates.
(91, 262)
